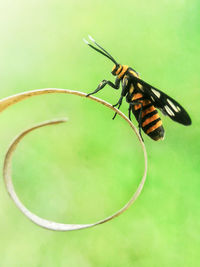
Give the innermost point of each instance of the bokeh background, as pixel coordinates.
(88, 168)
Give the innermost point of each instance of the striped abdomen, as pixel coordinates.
(151, 121)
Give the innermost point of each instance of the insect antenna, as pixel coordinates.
(102, 51)
(102, 48)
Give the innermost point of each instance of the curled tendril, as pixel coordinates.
(6, 102)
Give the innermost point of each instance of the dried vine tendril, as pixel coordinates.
(6, 102)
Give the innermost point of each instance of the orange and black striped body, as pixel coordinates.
(143, 109)
(150, 120)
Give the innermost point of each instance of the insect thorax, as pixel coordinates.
(133, 73)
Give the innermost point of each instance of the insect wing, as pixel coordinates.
(165, 103)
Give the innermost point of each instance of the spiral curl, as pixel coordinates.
(7, 173)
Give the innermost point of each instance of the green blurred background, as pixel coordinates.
(88, 168)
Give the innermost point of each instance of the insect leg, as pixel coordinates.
(119, 105)
(133, 103)
(104, 83)
(125, 88)
(129, 112)
(140, 122)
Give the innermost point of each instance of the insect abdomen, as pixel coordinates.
(150, 119)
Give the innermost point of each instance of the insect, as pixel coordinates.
(143, 98)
